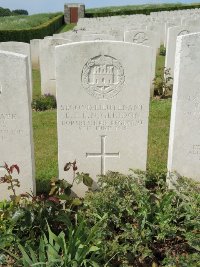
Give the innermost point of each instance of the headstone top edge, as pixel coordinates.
(17, 55)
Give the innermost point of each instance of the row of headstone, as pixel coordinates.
(151, 30)
(103, 108)
(103, 89)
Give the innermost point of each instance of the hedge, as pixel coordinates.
(145, 11)
(39, 32)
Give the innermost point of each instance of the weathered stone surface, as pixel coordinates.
(103, 107)
(47, 64)
(148, 38)
(16, 145)
(173, 33)
(184, 143)
(35, 51)
(23, 49)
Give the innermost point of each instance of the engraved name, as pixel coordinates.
(102, 117)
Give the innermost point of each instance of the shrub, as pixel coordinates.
(163, 84)
(4, 12)
(146, 222)
(162, 50)
(106, 12)
(38, 32)
(43, 103)
(20, 12)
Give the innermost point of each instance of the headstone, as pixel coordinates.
(184, 142)
(173, 33)
(20, 48)
(35, 49)
(16, 145)
(47, 64)
(144, 37)
(103, 107)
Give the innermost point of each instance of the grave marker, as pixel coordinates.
(184, 142)
(103, 107)
(16, 145)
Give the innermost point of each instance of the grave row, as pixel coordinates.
(103, 93)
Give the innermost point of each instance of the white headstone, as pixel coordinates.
(23, 49)
(16, 121)
(148, 38)
(173, 33)
(35, 49)
(184, 143)
(47, 64)
(103, 106)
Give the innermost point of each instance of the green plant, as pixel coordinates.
(163, 84)
(79, 247)
(146, 223)
(162, 50)
(12, 183)
(43, 103)
(24, 217)
(25, 28)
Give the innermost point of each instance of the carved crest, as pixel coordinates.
(103, 77)
(140, 38)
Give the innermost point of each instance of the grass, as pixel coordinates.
(66, 27)
(25, 22)
(45, 145)
(132, 7)
(45, 136)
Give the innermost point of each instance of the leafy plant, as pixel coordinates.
(146, 222)
(163, 84)
(162, 50)
(8, 179)
(24, 217)
(79, 248)
(43, 103)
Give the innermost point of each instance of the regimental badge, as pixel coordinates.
(103, 77)
(140, 38)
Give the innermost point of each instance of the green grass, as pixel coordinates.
(36, 83)
(45, 136)
(66, 27)
(132, 7)
(159, 120)
(45, 145)
(25, 22)
(160, 63)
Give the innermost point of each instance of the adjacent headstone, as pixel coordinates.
(173, 33)
(103, 107)
(16, 145)
(47, 64)
(23, 49)
(184, 142)
(35, 50)
(144, 37)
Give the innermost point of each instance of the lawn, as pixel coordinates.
(132, 7)
(45, 136)
(66, 27)
(25, 22)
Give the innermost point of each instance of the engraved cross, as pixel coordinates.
(103, 155)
